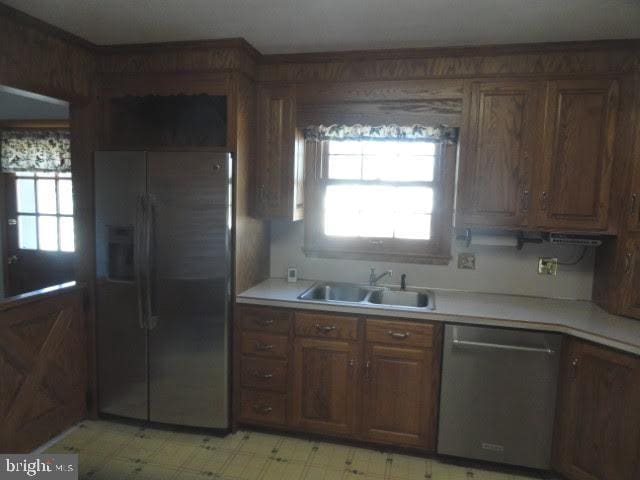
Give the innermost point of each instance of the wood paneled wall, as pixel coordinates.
(42, 367)
(40, 58)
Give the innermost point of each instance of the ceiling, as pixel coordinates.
(20, 105)
(287, 26)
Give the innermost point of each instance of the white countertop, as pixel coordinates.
(579, 318)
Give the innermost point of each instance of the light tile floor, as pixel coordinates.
(115, 451)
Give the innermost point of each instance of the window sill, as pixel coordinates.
(427, 259)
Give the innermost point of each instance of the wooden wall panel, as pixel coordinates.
(43, 368)
(252, 235)
(43, 59)
(553, 59)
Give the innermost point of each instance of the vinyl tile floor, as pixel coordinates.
(116, 451)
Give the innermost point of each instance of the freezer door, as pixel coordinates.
(120, 187)
(190, 266)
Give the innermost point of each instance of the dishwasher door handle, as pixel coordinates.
(497, 346)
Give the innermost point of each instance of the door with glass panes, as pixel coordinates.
(39, 230)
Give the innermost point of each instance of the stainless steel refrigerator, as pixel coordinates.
(163, 266)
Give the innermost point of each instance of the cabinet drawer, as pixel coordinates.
(263, 373)
(265, 319)
(264, 345)
(326, 326)
(400, 333)
(263, 407)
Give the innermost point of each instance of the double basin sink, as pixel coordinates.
(369, 295)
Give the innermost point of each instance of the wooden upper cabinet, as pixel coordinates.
(494, 185)
(578, 141)
(598, 419)
(325, 385)
(280, 163)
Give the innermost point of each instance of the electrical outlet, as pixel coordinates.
(547, 266)
(467, 261)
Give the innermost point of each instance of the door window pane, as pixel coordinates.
(27, 233)
(46, 196)
(48, 232)
(25, 195)
(65, 197)
(67, 238)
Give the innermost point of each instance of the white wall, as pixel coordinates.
(498, 269)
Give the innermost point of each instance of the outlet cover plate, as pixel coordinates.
(467, 261)
(547, 266)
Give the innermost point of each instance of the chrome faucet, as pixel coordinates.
(373, 279)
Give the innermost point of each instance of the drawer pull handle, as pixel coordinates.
(398, 335)
(262, 322)
(263, 346)
(325, 328)
(262, 408)
(264, 376)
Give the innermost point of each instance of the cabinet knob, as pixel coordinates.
(325, 328)
(524, 201)
(628, 261)
(398, 335)
(263, 375)
(544, 200)
(262, 408)
(263, 322)
(574, 367)
(263, 346)
(634, 202)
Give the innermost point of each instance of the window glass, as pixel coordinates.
(27, 232)
(65, 197)
(25, 195)
(48, 232)
(67, 239)
(46, 189)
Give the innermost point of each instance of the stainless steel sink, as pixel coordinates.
(336, 292)
(401, 298)
(369, 295)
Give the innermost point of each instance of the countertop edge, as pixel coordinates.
(446, 318)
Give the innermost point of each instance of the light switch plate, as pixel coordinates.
(547, 266)
(467, 261)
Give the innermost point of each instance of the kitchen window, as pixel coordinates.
(381, 199)
(44, 211)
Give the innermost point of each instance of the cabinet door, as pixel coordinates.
(280, 166)
(398, 396)
(494, 185)
(630, 291)
(325, 385)
(579, 134)
(598, 419)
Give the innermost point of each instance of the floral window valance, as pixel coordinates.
(381, 132)
(35, 150)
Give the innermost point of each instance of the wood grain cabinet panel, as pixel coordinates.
(598, 419)
(261, 407)
(265, 319)
(280, 167)
(264, 345)
(397, 393)
(579, 135)
(264, 374)
(630, 285)
(43, 379)
(326, 326)
(325, 385)
(498, 145)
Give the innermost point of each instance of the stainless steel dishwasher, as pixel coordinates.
(498, 395)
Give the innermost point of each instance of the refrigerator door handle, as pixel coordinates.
(152, 320)
(138, 257)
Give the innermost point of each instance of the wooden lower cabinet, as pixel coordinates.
(398, 396)
(325, 385)
(344, 376)
(598, 415)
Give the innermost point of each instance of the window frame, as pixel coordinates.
(436, 250)
(33, 175)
